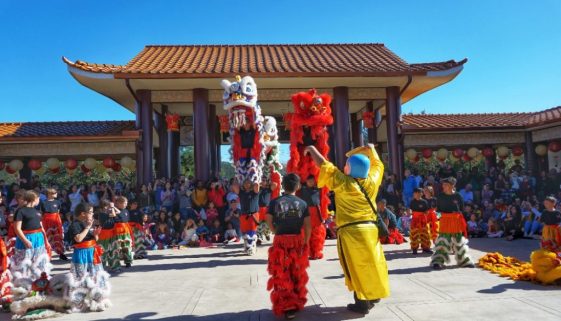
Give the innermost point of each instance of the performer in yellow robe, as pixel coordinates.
(360, 252)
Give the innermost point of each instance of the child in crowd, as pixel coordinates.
(233, 216)
(123, 232)
(215, 233)
(68, 219)
(404, 222)
(137, 230)
(189, 235)
(230, 234)
(202, 230)
(147, 228)
(176, 227)
(331, 227)
(211, 214)
(474, 230)
(494, 229)
(162, 236)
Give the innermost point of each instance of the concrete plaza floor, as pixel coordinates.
(223, 284)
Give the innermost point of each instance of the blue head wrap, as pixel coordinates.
(359, 165)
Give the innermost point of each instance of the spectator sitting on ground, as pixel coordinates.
(215, 233)
(474, 229)
(189, 235)
(230, 235)
(494, 229)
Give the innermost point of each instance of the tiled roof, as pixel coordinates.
(419, 122)
(70, 128)
(302, 59)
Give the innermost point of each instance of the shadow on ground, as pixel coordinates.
(309, 313)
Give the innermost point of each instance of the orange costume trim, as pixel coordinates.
(452, 223)
(248, 222)
(551, 238)
(98, 250)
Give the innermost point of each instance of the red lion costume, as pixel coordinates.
(308, 126)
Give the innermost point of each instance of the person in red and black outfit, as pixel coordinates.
(420, 232)
(288, 257)
(265, 193)
(52, 222)
(310, 193)
(249, 220)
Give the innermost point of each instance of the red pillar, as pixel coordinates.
(138, 146)
(356, 124)
(212, 120)
(372, 132)
(147, 125)
(341, 122)
(200, 124)
(529, 153)
(173, 162)
(392, 117)
(161, 128)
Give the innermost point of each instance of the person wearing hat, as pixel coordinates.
(420, 231)
(452, 236)
(360, 251)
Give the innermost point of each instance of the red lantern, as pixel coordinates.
(417, 158)
(517, 151)
(71, 164)
(116, 167)
(458, 153)
(368, 118)
(487, 152)
(2, 165)
(34, 164)
(224, 123)
(9, 170)
(84, 169)
(54, 170)
(172, 121)
(108, 162)
(427, 153)
(554, 147)
(466, 158)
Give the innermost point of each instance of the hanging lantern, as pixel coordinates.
(411, 154)
(368, 118)
(466, 158)
(458, 153)
(2, 165)
(90, 163)
(472, 152)
(16, 165)
(224, 123)
(54, 170)
(416, 159)
(479, 157)
(126, 162)
(10, 170)
(487, 152)
(116, 167)
(287, 120)
(108, 162)
(34, 164)
(502, 152)
(172, 121)
(442, 154)
(71, 164)
(541, 150)
(84, 168)
(427, 153)
(52, 163)
(517, 151)
(554, 147)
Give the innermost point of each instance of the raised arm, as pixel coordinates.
(315, 154)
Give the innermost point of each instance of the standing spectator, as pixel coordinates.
(75, 197)
(467, 193)
(409, 185)
(145, 198)
(217, 195)
(93, 198)
(199, 196)
(167, 197)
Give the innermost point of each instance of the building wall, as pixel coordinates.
(546, 134)
(459, 139)
(66, 149)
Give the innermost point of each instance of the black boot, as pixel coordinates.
(360, 306)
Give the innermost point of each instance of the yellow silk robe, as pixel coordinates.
(360, 252)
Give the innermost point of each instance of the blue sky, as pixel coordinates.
(514, 47)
